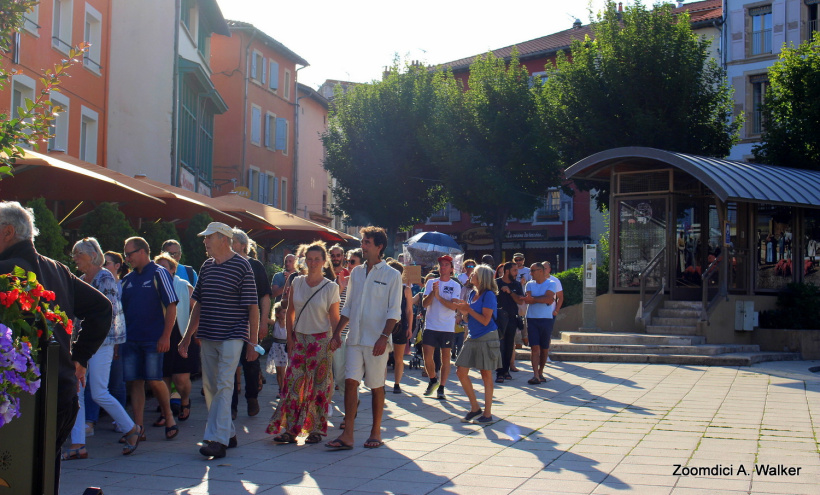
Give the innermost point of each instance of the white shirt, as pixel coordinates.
(524, 272)
(438, 316)
(181, 287)
(372, 299)
(556, 288)
(312, 305)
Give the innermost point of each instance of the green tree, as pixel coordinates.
(499, 160)
(50, 241)
(378, 146)
(192, 247)
(791, 109)
(156, 233)
(109, 225)
(645, 80)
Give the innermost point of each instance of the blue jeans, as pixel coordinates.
(141, 361)
(116, 386)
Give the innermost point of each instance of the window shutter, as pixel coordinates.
(253, 66)
(274, 75)
(264, 71)
(276, 192)
(267, 130)
(281, 133)
(250, 179)
(455, 215)
(778, 25)
(737, 27)
(263, 188)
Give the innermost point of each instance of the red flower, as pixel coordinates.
(9, 298)
(49, 295)
(39, 333)
(26, 301)
(69, 326)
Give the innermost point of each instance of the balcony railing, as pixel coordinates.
(60, 44)
(91, 64)
(811, 28)
(761, 41)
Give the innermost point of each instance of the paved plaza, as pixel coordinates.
(593, 428)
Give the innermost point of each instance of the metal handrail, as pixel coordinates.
(643, 312)
(708, 305)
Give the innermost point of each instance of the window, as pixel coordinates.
(93, 34)
(253, 182)
(273, 80)
(258, 67)
(22, 90)
(275, 189)
(286, 90)
(324, 203)
(263, 188)
(88, 135)
(538, 78)
(284, 196)
(203, 38)
(552, 209)
(59, 131)
(282, 128)
(270, 125)
(30, 19)
(759, 84)
(61, 28)
(761, 18)
(185, 13)
(448, 214)
(813, 9)
(256, 125)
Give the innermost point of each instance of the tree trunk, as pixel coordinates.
(391, 241)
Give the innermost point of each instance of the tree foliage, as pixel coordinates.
(156, 233)
(645, 80)
(50, 241)
(192, 247)
(109, 225)
(378, 150)
(791, 109)
(499, 160)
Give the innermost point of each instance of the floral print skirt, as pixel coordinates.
(308, 388)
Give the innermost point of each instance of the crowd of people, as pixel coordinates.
(328, 322)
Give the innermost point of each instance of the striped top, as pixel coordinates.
(224, 291)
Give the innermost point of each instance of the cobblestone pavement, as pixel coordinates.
(593, 428)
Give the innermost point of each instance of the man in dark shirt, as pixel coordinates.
(225, 318)
(75, 297)
(510, 295)
(252, 369)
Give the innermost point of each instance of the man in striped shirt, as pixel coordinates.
(225, 317)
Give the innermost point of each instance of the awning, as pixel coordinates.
(728, 180)
(69, 179)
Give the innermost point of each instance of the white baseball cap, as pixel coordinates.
(220, 227)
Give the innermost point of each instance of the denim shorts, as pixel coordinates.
(539, 331)
(437, 338)
(141, 361)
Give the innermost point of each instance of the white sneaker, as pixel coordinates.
(118, 428)
(549, 360)
(89, 429)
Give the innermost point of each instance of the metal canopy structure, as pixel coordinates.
(728, 180)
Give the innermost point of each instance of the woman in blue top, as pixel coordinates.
(483, 349)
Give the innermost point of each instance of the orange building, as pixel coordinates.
(254, 142)
(50, 30)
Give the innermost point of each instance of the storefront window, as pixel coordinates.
(811, 253)
(774, 244)
(641, 235)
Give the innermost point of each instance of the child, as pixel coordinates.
(278, 351)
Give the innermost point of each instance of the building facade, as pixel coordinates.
(162, 102)
(50, 30)
(755, 35)
(312, 190)
(255, 141)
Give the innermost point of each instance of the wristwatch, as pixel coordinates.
(383, 335)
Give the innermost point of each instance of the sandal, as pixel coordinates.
(142, 436)
(182, 409)
(160, 421)
(171, 432)
(284, 438)
(508, 376)
(129, 448)
(534, 381)
(499, 379)
(313, 438)
(74, 454)
(337, 445)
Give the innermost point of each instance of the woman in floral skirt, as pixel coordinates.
(312, 315)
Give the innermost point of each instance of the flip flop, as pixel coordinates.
(340, 445)
(171, 432)
(374, 443)
(182, 409)
(160, 421)
(534, 381)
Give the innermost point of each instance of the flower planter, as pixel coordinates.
(28, 444)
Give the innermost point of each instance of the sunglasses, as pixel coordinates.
(129, 253)
(352, 262)
(469, 266)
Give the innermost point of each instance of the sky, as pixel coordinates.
(356, 39)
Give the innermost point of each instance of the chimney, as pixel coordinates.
(576, 24)
(620, 7)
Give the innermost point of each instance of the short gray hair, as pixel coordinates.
(91, 247)
(21, 218)
(241, 237)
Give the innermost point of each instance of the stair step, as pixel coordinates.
(678, 313)
(683, 305)
(671, 330)
(730, 359)
(629, 338)
(697, 350)
(675, 322)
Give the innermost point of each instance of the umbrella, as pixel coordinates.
(424, 248)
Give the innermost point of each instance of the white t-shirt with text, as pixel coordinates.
(438, 316)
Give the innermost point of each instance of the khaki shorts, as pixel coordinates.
(361, 363)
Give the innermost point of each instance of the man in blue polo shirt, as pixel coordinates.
(149, 303)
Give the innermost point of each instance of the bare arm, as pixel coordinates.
(253, 317)
(559, 301)
(164, 342)
(264, 317)
(409, 308)
(193, 326)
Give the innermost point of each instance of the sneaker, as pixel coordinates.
(440, 393)
(89, 429)
(486, 420)
(432, 387)
(213, 449)
(232, 443)
(396, 389)
(253, 407)
(549, 360)
(471, 416)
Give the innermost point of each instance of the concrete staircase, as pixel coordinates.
(671, 338)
